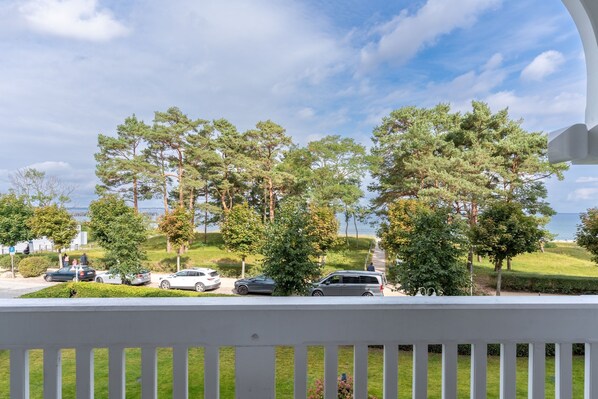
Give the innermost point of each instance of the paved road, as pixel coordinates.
(13, 288)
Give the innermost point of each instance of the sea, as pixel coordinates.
(562, 225)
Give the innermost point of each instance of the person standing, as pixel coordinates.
(65, 260)
(83, 259)
(371, 267)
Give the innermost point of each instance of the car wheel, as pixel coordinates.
(317, 293)
(99, 280)
(165, 285)
(367, 294)
(199, 287)
(242, 290)
(48, 279)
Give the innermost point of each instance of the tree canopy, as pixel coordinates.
(54, 223)
(242, 231)
(120, 231)
(504, 231)
(15, 213)
(289, 251)
(430, 250)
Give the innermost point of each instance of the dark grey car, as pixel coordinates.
(259, 284)
(350, 283)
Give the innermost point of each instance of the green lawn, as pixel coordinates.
(284, 373)
(563, 259)
(346, 255)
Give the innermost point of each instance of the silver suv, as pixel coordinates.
(350, 283)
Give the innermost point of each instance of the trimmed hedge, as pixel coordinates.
(548, 284)
(494, 349)
(95, 290)
(34, 266)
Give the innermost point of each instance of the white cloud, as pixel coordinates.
(583, 194)
(50, 166)
(406, 34)
(306, 113)
(543, 65)
(77, 19)
(470, 85)
(586, 179)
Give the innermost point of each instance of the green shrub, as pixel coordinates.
(33, 266)
(494, 349)
(548, 284)
(5, 261)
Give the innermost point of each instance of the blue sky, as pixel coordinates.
(71, 69)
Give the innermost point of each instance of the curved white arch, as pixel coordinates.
(579, 143)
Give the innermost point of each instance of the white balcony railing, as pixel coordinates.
(256, 326)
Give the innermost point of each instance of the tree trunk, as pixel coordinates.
(178, 260)
(509, 264)
(470, 267)
(498, 277)
(265, 213)
(347, 226)
(181, 186)
(242, 267)
(355, 224)
(135, 194)
(205, 217)
(271, 194)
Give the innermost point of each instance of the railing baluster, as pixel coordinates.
(331, 372)
(391, 371)
(255, 372)
(479, 360)
(563, 371)
(85, 373)
(180, 372)
(360, 369)
(508, 370)
(211, 379)
(591, 371)
(449, 371)
(116, 372)
(149, 373)
(52, 373)
(536, 371)
(300, 390)
(19, 373)
(420, 371)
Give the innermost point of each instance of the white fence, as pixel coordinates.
(255, 326)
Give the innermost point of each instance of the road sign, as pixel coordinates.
(11, 250)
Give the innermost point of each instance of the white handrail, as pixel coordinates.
(256, 325)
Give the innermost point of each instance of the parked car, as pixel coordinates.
(258, 284)
(143, 277)
(350, 283)
(198, 278)
(84, 273)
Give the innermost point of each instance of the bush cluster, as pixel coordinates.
(5, 261)
(549, 284)
(33, 266)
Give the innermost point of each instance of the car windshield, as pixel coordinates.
(213, 274)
